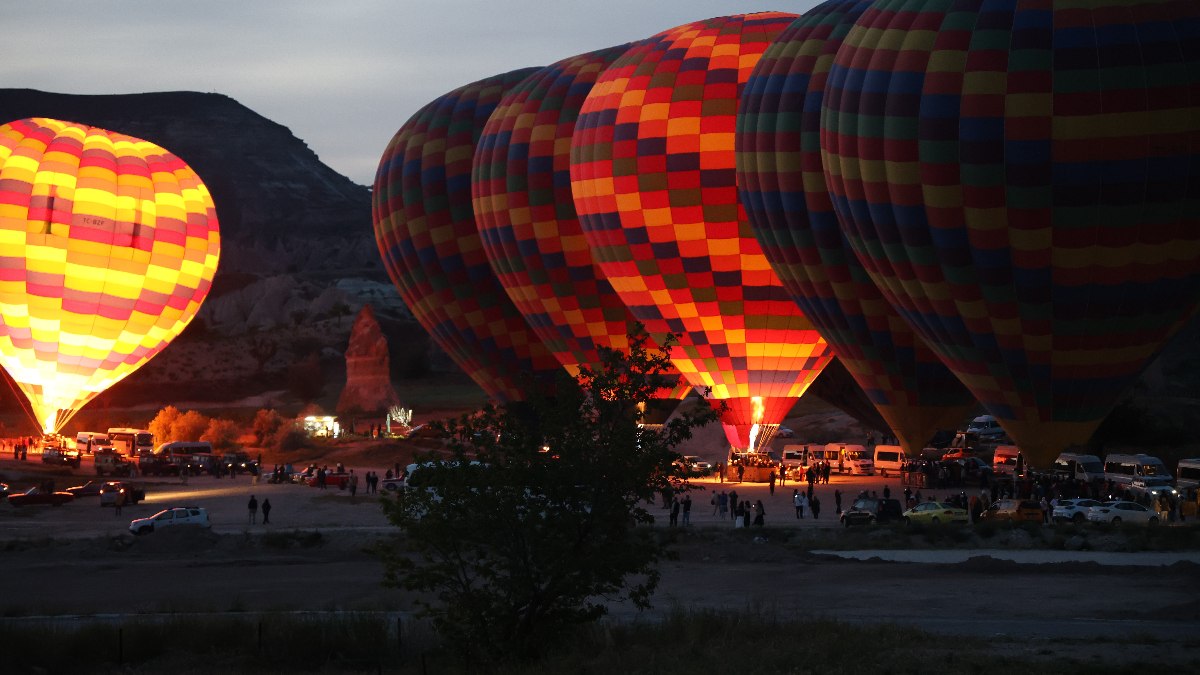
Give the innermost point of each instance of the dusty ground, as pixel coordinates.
(80, 559)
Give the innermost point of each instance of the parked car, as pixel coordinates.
(237, 462)
(692, 465)
(784, 432)
(1074, 510)
(340, 481)
(1122, 512)
(88, 489)
(180, 515)
(870, 511)
(392, 484)
(36, 495)
(1152, 486)
(109, 462)
(934, 513)
(113, 489)
(1014, 511)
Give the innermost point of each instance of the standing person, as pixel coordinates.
(815, 505)
(741, 471)
(796, 502)
(266, 506)
(734, 503)
(120, 501)
(721, 471)
(771, 481)
(353, 483)
(739, 510)
(253, 507)
(687, 510)
(714, 500)
(723, 505)
(759, 512)
(674, 512)
(746, 513)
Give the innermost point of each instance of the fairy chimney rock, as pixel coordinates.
(368, 380)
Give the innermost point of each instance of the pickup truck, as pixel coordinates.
(54, 455)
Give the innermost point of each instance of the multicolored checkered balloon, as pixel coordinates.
(782, 186)
(527, 220)
(652, 170)
(426, 232)
(108, 246)
(1020, 180)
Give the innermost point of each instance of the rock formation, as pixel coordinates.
(368, 375)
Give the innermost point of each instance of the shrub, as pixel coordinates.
(222, 434)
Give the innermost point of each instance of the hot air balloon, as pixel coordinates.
(652, 171)
(108, 246)
(782, 186)
(527, 221)
(425, 228)
(1021, 183)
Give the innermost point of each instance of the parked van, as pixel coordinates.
(797, 457)
(176, 450)
(1122, 469)
(88, 441)
(1187, 474)
(1005, 460)
(889, 458)
(1079, 467)
(986, 427)
(846, 458)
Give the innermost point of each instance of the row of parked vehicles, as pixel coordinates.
(109, 493)
(871, 511)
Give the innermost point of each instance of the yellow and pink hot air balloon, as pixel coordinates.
(108, 246)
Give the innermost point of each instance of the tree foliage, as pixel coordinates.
(163, 424)
(540, 517)
(266, 425)
(222, 434)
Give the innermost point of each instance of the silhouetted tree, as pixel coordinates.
(539, 517)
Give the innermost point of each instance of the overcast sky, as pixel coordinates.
(343, 75)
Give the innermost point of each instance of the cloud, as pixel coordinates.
(343, 76)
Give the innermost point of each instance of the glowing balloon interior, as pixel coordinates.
(108, 246)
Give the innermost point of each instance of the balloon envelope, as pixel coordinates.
(1020, 182)
(108, 246)
(527, 220)
(782, 184)
(425, 228)
(652, 170)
